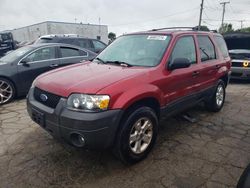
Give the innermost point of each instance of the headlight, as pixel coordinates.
(88, 102)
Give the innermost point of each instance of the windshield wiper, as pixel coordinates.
(121, 63)
(102, 61)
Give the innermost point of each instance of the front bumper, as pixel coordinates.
(98, 129)
(240, 73)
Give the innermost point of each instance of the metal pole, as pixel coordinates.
(199, 26)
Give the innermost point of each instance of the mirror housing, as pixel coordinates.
(179, 63)
(24, 62)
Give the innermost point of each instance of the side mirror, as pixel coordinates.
(24, 62)
(179, 63)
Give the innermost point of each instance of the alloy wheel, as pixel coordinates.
(6, 92)
(219, 95)
(141, 135)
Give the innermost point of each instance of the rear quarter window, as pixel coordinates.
(222, 46)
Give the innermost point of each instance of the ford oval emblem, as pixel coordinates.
(43, 97)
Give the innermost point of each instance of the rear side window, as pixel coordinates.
(184, 48)
(65, 41)
(84, 43)
(221, 45)
(69, 52)
(207, 49)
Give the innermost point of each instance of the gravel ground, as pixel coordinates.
(212, 152)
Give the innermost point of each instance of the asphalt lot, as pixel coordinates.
(209, 153)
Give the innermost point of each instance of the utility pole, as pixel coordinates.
(241, 23)
(223, 13)
(201, 10)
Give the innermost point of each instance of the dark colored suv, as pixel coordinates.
(118, 99)
(7, 43)
(93, 45)
(239, 51)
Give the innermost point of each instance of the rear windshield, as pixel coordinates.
(238, 43)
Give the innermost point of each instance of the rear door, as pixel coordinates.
(179, 84)
(36, 63)
(71, 55)
(209, 63)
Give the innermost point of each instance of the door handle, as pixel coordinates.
(195, 73)
(216, 67)
(54, 65)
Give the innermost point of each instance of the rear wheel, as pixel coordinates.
(216, 102)
(137, 135)
(7, 91)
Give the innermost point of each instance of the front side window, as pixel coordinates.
(42, 54)
(137, 50)
(184, 48)
(207, 49)
(69, 52)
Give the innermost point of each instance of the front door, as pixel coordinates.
(179, 84)
(36, 63)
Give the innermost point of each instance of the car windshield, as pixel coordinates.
(136, 50)
(5, 37)
(12, 56)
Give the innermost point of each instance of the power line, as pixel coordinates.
(159, 18)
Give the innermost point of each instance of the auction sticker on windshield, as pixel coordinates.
(156, 37)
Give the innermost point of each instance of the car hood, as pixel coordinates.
(86, 78)
(240, 54)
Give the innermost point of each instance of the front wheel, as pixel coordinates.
(216, 102)
(137, 135)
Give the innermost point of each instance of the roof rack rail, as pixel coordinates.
(176, 28)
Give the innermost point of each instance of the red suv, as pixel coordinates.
(116, 100)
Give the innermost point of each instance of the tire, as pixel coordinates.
(216, 102)
(7, 91)
(137, 135)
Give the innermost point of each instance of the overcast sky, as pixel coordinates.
(123, 16)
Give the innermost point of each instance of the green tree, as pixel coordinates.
(245, 30)
(226, 28)
(112, 37)
(202, 28)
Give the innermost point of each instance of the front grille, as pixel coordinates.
(237, 64)
(52, 99)
(236, 74)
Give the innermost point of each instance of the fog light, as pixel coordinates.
(77, 140)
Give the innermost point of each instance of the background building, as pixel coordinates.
(32, 32)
